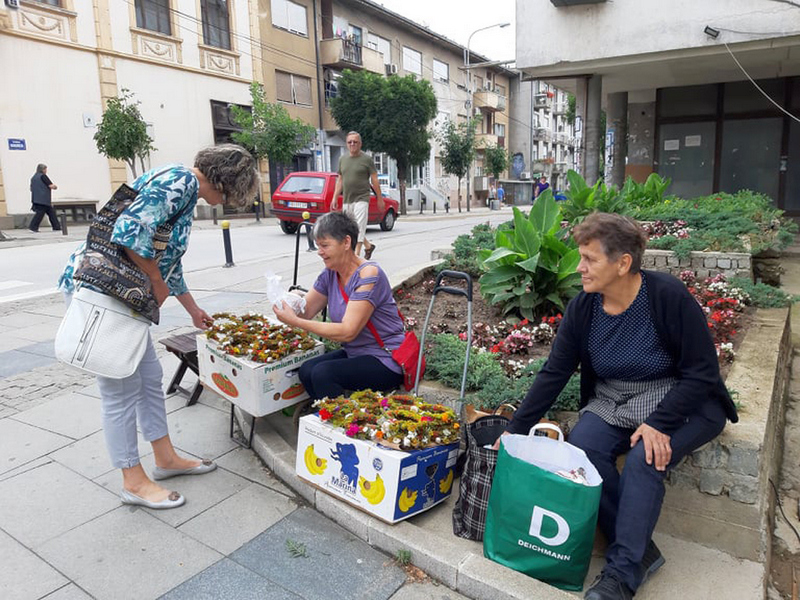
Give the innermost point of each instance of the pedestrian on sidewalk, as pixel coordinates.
(41, 199)
(501, 194)
(224, 174)
(356, 173)
(650, 388)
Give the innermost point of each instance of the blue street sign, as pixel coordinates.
(16, 144)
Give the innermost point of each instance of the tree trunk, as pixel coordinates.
(132, 165)
(401, 175)
(459, 194)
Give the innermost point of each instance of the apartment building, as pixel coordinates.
(63, 59)
(544, 141)
(705, 93)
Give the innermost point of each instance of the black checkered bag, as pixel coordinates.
(469, 513)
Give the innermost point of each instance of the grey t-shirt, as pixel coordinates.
(355, 172)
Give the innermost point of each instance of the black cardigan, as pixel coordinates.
(682, 329)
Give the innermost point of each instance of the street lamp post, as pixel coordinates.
(469, 84)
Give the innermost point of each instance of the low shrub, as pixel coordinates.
(464, 256)
(763, 295)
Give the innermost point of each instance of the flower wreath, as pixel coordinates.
(398, 420)
(256, 338)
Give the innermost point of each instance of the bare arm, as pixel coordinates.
(150, 267)
(315, 302)
(200, 318)
(377, 187)
(336, 191)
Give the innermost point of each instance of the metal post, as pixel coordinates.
(226, 240)
(257, 211)
(63, 219)
(214, 214)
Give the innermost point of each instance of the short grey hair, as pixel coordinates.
(40, 168)
(230, 169)
(355, 133)
(337, 225)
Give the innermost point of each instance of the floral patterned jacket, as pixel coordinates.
(163, 192)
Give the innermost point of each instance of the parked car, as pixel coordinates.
(312, 191)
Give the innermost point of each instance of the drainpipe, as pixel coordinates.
(320, 92)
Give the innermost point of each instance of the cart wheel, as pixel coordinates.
(301, 410)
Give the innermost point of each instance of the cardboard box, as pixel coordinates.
(257, 388)
(389, 484)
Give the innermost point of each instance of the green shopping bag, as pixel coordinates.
(538, 522)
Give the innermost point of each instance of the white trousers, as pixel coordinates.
(139, 396)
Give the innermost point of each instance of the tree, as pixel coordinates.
(391, 114)
(496, 160)
(458, 150)
(268, 130)
(122, 132)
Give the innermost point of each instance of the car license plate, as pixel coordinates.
(296, 204)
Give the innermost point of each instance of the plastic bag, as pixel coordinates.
(276, 294)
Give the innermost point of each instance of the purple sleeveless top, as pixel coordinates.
(385, 317)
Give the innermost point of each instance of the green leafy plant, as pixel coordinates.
(122, 132)
(649, 193)
(296, 549)
(531, 272)
(763, 295)
(582, 200)
(445, 363)
(464, 256)
(403, 557)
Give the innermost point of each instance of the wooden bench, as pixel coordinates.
(77, 211)
(185, 348)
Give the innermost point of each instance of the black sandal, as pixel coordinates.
(369, 251)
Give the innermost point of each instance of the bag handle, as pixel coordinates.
(504, 408)
(549, 426)
(370, 326)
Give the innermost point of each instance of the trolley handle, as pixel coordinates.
(453, 290)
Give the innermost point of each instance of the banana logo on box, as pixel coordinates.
(314, 464)
(373, 491)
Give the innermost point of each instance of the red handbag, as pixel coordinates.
(406, 354)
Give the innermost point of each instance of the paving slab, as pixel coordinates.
(69, 592)
(25, 576)
(89, 456)
(40, 332)
(45, 348)
(429, 591)
(127, 554)
(201, 431)
(16, 361)
(246, 463)
(239, 518)
(21, 443)
(344, 567)
(227, 580)
(73, 415)
(42, 503)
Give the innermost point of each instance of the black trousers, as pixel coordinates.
(41, 210)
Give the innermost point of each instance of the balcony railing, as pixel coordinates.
(542, 133)
(342, 53)
(542, 102)
(490, 100)
(489, 139)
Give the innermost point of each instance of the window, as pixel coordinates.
(382, 45)
(441, 71)
(293, 89)
(50, 2)
(500, 89)
(381, 163)
(357, 35)
(412, 61)
(500, 130)
(216, 24)
(478, 82)
(290, 16)
(153, 15)
(222, 122)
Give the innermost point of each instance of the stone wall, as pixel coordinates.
(704, 264)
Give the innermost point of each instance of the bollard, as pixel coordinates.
(434, 207)
(214, 214)
(226, 239)
(257, 211)
(63, 219)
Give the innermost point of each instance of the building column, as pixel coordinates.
(641, 134)
(616, 138)
(592, 134)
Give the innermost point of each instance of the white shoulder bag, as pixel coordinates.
(102, 336)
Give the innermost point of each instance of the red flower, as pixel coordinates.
(325, 414)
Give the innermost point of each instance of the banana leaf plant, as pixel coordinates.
(531, 272)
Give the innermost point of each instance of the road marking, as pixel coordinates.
(14, 283)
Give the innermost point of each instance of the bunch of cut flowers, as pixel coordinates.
(255, 337)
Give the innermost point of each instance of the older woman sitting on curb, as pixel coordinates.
(650, 387)
(360, 304)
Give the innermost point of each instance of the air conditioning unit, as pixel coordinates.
(525, 175)
(391, 69)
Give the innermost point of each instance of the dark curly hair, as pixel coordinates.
(616, 233)
(232, 170)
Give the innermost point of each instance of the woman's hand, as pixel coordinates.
(201, 319)
(497, 441)
(285, 314)
(657, 448)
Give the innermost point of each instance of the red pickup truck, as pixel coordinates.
(312, 191)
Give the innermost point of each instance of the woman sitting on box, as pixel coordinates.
(357, 294)
(650, 387)
(224, 174)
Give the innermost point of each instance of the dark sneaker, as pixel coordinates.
(608, 587)
(652, 561)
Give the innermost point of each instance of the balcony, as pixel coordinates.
(340, 53)
(560, 167)
(561, 138)
(542, 102)
(489, 101)
(560, 108)
(543, 134)
(482, 140)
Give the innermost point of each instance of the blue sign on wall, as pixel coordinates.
(16, 144)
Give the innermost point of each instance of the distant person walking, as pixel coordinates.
(541, 186)
(356, 173)
(501, 194)
(41, 199)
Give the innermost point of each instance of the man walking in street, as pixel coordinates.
(41, 199)
(356, 173)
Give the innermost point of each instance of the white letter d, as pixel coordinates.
(561, 535)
